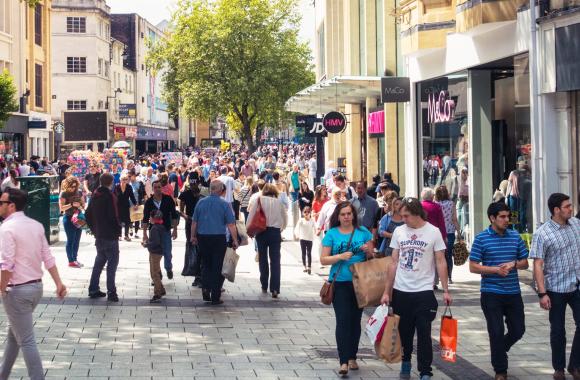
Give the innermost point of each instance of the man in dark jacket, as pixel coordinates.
(103, 220)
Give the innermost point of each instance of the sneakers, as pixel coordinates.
(74, 264)
(113, 297)
(170, 274)
(405, 370)
(559, 375)
(155, 299)
(425, 377)
(98, 294)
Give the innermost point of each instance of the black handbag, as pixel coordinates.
(191, 264)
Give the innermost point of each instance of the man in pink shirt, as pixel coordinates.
(23, 249)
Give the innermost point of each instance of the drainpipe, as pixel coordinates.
(539, 197)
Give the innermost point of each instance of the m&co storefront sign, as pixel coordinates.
(334, 122)
(441, 108)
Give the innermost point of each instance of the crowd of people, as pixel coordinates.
(218, 194)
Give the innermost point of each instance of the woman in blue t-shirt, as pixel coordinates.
(338, 252)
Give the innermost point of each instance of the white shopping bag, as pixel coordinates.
(376, 324)
(230, 263)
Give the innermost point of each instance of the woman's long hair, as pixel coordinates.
(320, 191)
(68, 183)
(13, 176)
(334, 220)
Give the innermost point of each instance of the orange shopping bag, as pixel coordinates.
(448, 337)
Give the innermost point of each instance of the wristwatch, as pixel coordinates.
(542, 295)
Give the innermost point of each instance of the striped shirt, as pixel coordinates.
(559, 247)
(492, 249)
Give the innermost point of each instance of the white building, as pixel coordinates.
(123, 95)
(81, 63)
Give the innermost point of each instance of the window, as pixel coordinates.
(107, 69)
(100, 67)
(362, 32)
(126, 82)
(380, 6)
(107, 30)
(321, 52)
(76, 64)
(38, 86)
(76, 25)
(76, 105)
(100, 104)
(38, 25)
(5, 14)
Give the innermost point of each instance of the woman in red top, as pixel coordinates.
(320, 198)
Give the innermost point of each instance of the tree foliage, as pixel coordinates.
(236, 58)
(8, 102)
(31, 3)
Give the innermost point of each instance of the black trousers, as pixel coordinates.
(236, 208)
(306, 247)
(269, 243)
(558, 329)
(213, 250)
(417, 310)
(348, 317)
(496, 307)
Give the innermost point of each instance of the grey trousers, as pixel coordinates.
(19, 304)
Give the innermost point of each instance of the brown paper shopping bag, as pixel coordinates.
(369, 279)
(389, 349)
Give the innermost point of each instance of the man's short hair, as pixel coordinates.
(427, 194)
(340, 178)
(414, 207)
(106, 179)
(495, 208)
(216, 186)
(18, 197)
(556, 200)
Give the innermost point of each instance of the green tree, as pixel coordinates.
(240, 58)
(8, 102)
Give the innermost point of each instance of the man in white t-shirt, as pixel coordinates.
(229, 183)
(418, 250)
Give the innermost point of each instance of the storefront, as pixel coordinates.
(473, 136)
(172, 139)
(150, 140)
(13, 137)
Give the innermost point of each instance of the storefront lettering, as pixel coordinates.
(441, 108)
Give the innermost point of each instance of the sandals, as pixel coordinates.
(352, 365)
(343, 371)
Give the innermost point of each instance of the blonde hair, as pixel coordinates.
(270, 190)
(68, 183)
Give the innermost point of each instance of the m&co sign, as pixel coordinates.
(441, 108)
(334, 122)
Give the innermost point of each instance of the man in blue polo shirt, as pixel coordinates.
(497, 253)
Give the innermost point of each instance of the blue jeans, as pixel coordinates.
(167, 247)
(107, 253)
(73, 238)
(558, 329)
(294, 195)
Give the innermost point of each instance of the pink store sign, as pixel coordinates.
(376, 123)
(441, 108)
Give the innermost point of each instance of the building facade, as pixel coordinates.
(123, 97)
(155, 130)
(81, 71)
(356, 44)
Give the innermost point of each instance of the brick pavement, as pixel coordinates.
(250, 336)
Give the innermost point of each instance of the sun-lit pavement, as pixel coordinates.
(250, 336)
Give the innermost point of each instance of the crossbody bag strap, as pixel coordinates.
(342, 261)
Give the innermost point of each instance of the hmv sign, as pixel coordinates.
(395, 89)
(334, 122)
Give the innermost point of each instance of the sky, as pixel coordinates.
(156, 11)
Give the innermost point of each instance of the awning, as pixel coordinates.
(330, 94)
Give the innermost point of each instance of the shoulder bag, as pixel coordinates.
(258, 223)
(327, 290)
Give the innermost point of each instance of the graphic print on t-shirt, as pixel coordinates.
(411, 253)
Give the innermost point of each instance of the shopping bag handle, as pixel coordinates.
(448, 308)
(390, 310)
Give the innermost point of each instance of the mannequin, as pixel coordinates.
(448, 177)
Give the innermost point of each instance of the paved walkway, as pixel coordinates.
(250, 336)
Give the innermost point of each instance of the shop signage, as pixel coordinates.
(441, 108)
(395, 89)
(124, 133)
(37, 124)
(376, 123)
(145, 133)
(59, 127)
(127, 110)
(312, 125)
(334, 122)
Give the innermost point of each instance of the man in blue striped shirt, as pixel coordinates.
(497, 253)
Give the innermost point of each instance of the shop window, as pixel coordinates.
(100, 67)
(38, 24)
(444, 140)
(76, 25)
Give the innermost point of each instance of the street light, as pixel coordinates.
(117, 91)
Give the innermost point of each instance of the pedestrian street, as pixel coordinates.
(250, 336)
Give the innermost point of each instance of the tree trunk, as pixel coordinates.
(259, 130)
(247, 136)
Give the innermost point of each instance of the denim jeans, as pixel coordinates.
(107, 254)
(348, 317)
(417, 311)
(496, 307)
(73, 238)
(558, 329)
(19, 304)
(167, 247)
(269, 243)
